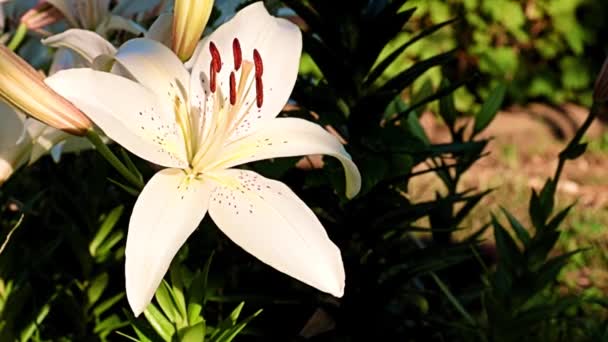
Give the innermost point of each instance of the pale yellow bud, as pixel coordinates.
(24, 88)
(189, 20)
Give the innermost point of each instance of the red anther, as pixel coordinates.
(232, 88)
(212, 77)
(257, 60)
(216, 60)
(259, 91)
(238, 55)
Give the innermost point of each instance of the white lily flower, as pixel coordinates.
(202, 124)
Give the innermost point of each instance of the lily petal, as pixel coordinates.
(160, 30)
(279, 44)
(85, 43)
(14, 149)
(156, 67)
(118, 23)
(127, 112)
(166, 212)
(290, 137)
(43, 138)
(65, 7)
(269, 221)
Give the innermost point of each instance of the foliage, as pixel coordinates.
(543, 47)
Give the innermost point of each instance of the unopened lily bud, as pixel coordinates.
(189, 20)
(24, 88)
(41, 15)
(600, 91)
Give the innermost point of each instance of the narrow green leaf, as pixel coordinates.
(105, 229)
(223, 329)
(197, 292)
(159, 323)
(164, 297)
(32, 327)
(177, 289)
(107, 304)
(195, 333)
(232, 333)
(388, 60)
(128, 189)
(447, 109)
(406, 77)
(130, 165)
(489, 108)
(413, 123)
(520, 231)
(10, 233)
(508, 252)
(96, 288)
(573, 151)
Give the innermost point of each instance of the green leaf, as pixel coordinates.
(573, 151)
(105, 229)
(490, 108)
(520, 231)
(443, 91)
(406, 77)
(128, 189)
(130, 165)
(159, 323)
(508, 252)
(10, 233)
(195, 333)
(197, 292)
(107, 304)
(413, 123)
(177, 289)
(447, 109)
(232, 333)
(96, 288)
(223, 329)
(388, 60)
(164, 297)
(108, 244)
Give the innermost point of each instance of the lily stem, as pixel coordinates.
(111, 158)
(18, 37)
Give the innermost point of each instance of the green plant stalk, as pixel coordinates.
(111, 158)
(593, 112)
(446, 291)
(18, 37)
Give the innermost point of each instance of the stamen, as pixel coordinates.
(259, 91)
(238, 56)
(232, 88)
(257, 60)
(212, 77)
(216, 60)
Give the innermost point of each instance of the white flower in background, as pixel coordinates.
(24, 140)
(95, 15)
(202, 124)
